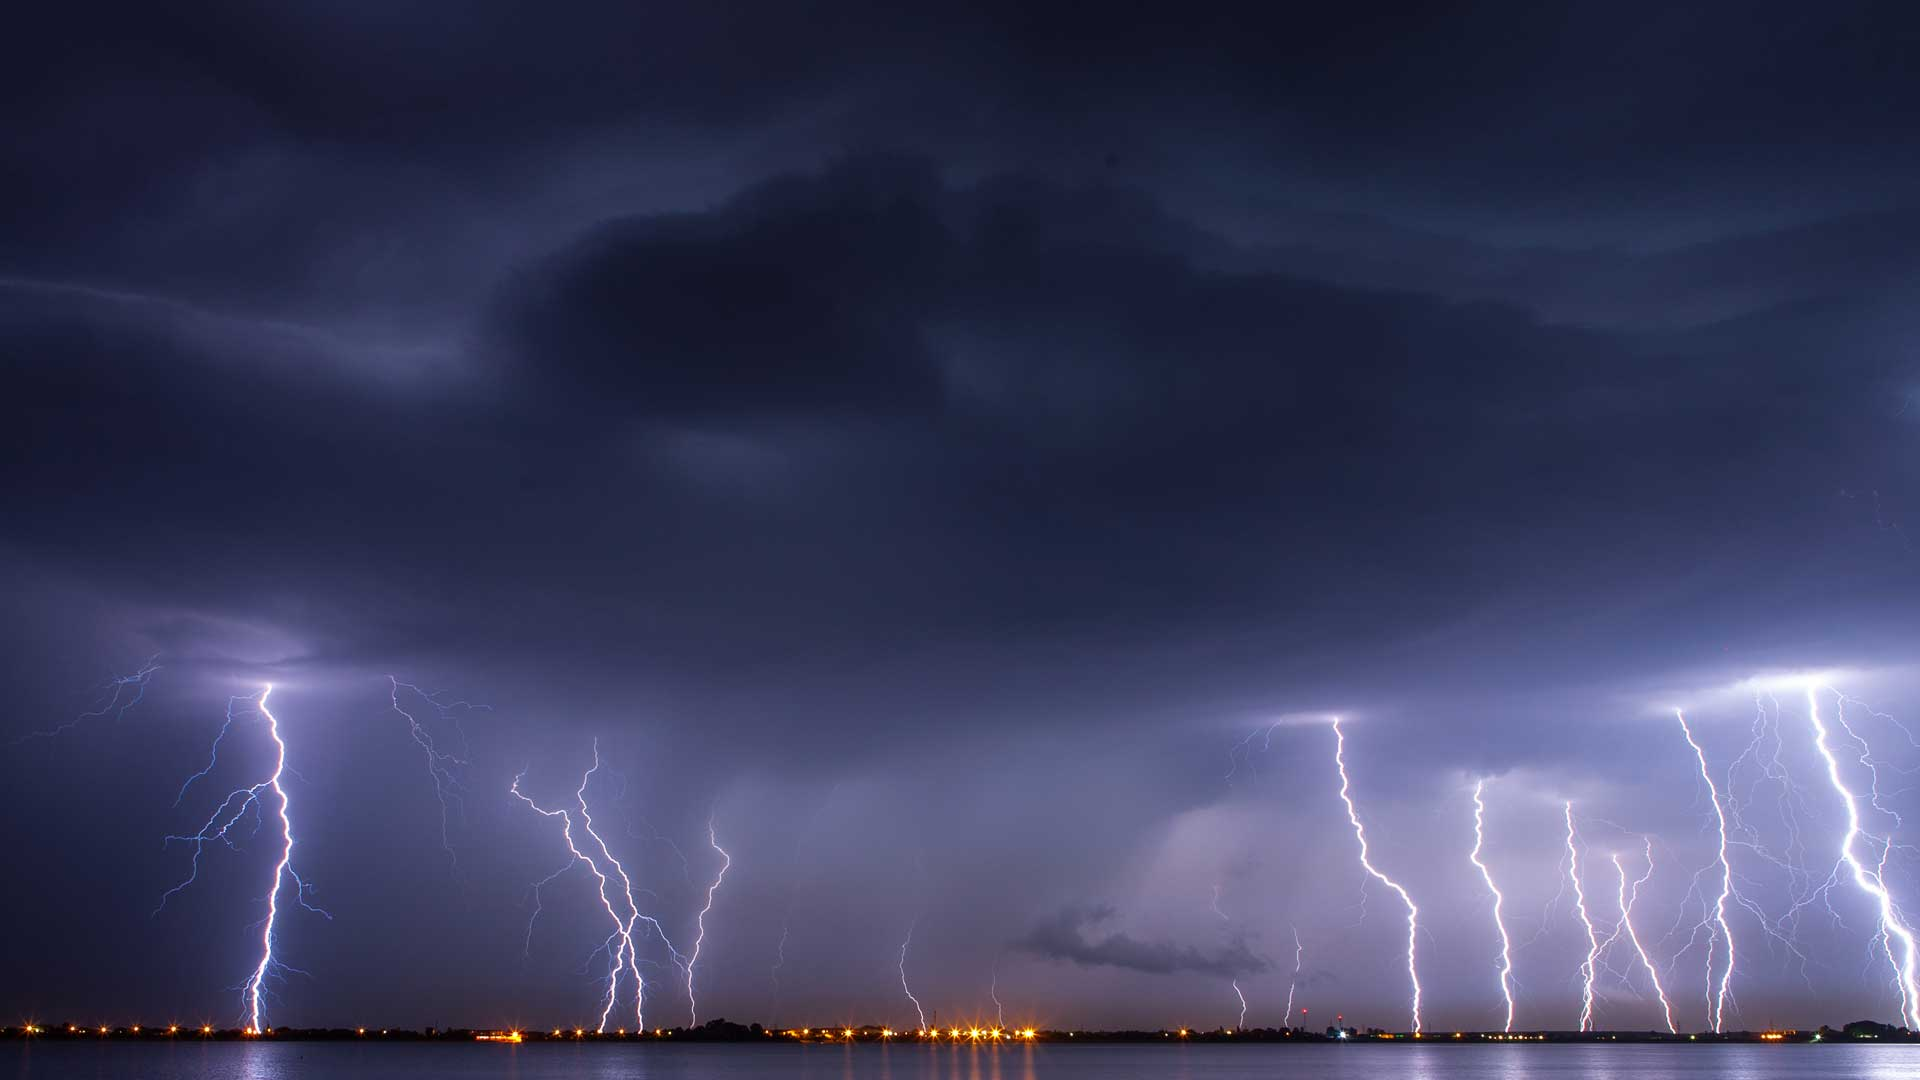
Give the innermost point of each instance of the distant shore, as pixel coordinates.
(721, 1031)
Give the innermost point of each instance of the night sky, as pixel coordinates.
(966, 454)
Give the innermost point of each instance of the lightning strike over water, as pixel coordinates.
(780, 954)
(634, 914)
(1360, 834)
(219, 827)
(1499, 921)
(693, 957)
(1299, 953)
(1720, 931)
(281, 870)
(131, 687)
(1871, 880)
(1865, 851)
(441, 764)
(904, 946)
(1234, 982)
(1628, 897)
(1588, 967)
(619, 946)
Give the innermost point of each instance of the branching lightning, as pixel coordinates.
(693, 957)
(120, 693)
(219, 827)
(213, 752)
(623, 955)
(442, 765)
(618, 944)
(1866, 852)
(1764, 755)
(1893, 924)
(634, 914)
(1628, 897)
(1243, 750)
(1499, 920)
(1587, 967)
(1360, 834)
(1720, 930)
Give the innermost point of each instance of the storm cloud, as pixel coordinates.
(925, 445)
(1063, 936)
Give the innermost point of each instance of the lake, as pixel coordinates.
(428, 1061)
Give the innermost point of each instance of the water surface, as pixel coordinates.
(434, 1061)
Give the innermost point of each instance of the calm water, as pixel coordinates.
(330, 1061)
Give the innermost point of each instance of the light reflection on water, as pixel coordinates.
(433, 1061)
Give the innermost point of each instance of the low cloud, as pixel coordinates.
(1063, 936)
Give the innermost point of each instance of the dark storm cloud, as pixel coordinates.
(976, 407)
(673, 316)
(868, 405)
(1021, 373)
(1063, 936)
(339, 144)
(1682, 285)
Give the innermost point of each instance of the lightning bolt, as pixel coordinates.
(618, 944)
(441, 764)
(539, 903)
(904, 946)
(1764, 757)
(693, 1006)
(993, 991)
(793, 891)
(219, 826)
(1628, 897)
(1765, 753)
(1299, 953)
(634, 914)
(1720, 931)
(1234, 982)
(656, 836)
(1243, 750)
(281, 870)
(1871, 880)
(1360, 834)
(780, 954)
(120, 693)
(1586, 920)
(1499, 921)
(623, 956)
(213, 752)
